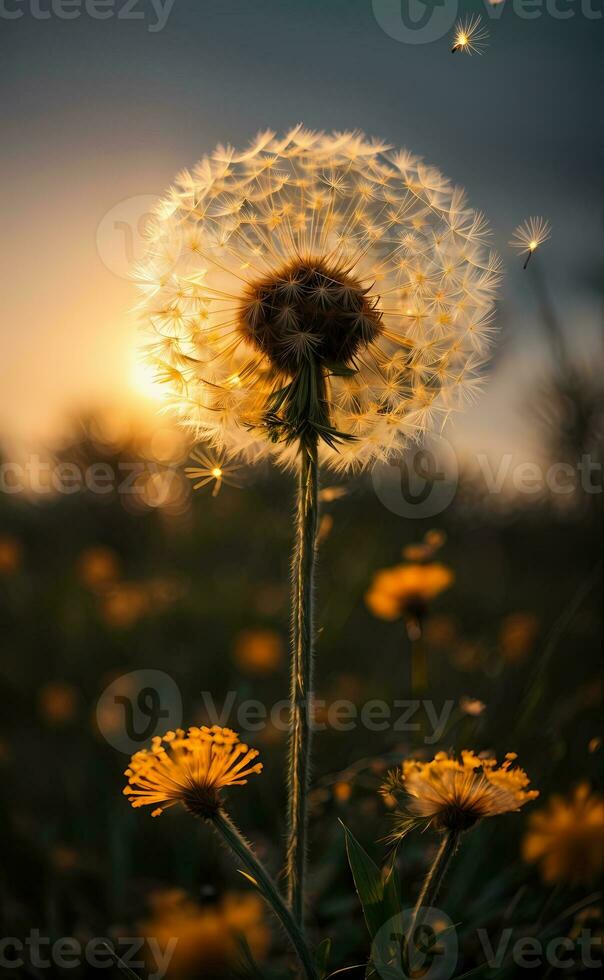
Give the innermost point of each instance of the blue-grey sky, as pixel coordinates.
(98, 111)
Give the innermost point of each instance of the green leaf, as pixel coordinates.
(322, 954)
(120, 963)
(250, 878)
(250, 969)
(347, 969)
(341, 370)
(368, 883)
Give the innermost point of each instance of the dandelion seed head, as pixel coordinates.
(322, 249)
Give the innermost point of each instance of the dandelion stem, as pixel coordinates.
(433, 881)
(227, 830)
(303, 571)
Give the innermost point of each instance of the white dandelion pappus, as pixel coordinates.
(326, 250)
(470, 36)
(529, 235)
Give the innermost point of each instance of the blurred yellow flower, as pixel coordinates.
(189, 768)
(124, 605)
(259, 651)
(407, 589)
(566, 837)
(517, 636)
(98, 567)
(58, 702)
(440, 631)
(207, 935)
(342, 792)
(451, 794)
(471, 706)
(324, 530)
(10, 555)
(426, 549)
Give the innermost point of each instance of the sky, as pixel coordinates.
(100, 114)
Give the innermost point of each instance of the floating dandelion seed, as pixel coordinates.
(529, 235)
(469, 36)
(316, 287)
(212, 469)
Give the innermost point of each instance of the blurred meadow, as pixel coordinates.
(487, 635)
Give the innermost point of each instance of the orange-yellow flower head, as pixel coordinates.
(566, 838)
(189, 768)
(407, 589)
(316, 284)
(452, 794)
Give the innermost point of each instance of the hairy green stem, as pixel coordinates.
(301, 690)
(227, 830)
(432, 883)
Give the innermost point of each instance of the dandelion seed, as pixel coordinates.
(448, 794)
(309, 248)
(190, 768)
(469, 36)
(529, 235)
(211, 470)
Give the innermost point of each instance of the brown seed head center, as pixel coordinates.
(309, 310)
